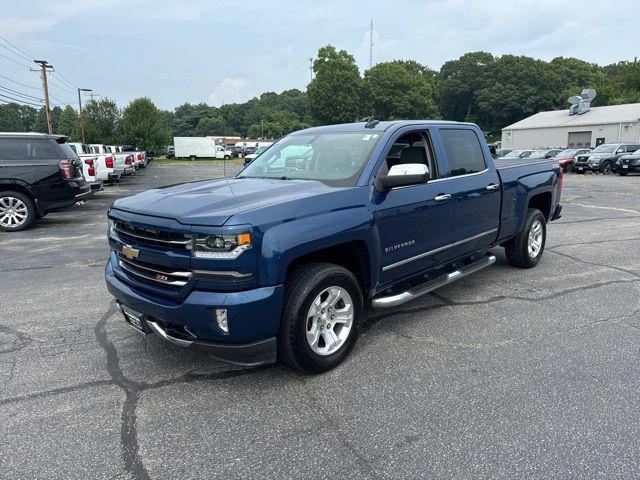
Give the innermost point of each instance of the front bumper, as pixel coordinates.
(253, 315)
(627, 168)
(586, 167)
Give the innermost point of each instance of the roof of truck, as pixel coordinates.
(379, 127)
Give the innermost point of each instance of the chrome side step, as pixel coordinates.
(430, 285)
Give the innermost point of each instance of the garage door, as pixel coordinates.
(579, 139)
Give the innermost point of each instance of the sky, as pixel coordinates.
(230, 51)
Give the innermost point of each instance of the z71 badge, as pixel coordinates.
(399, 246)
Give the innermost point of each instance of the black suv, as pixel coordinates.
(38, 174)
(604, 157)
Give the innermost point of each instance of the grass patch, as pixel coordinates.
(177, 161)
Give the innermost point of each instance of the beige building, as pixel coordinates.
(610, 124)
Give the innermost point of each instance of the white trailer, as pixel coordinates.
(199, 147)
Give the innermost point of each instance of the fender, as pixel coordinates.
(283, 243)
(530, 186)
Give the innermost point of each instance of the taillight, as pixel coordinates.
(108, 161)
(139, 156)
(561, 180)
(91, 170)
(67, 170)
(128, 160)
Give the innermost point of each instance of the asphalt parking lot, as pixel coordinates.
(506, 374)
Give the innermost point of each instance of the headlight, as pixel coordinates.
(221, 246)
(111, 227)
(594, 160)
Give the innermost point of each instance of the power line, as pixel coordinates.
(22, 84)
(61, 87)
(15, 53)
(14, 61)
(24, 55)
(17, 100)
(15, 92)
(62, 78)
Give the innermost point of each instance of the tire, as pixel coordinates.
(227, 157)
(518, 251)
(606, 168)
(17, 211)
(316, 284)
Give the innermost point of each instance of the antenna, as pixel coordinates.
(371, 44)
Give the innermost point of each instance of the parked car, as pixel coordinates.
(566, 157)
(502, 152)
(514, 154)
(252, 156)
(236, 152)
(549, 153)
(279, 261)
(604, 157)
(139, 156)
(91, 169)
(38, 174)
(121, 165)
(171, 151)
(629, 163)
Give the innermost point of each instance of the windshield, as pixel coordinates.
(604, 149)
(260, 150)
(332, 158)
(513, 153)
(570, 152)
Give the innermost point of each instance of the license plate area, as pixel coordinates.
(625, 166)
(135, 320)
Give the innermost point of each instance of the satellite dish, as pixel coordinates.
(581, 103)
(588, 94)
(575, 99)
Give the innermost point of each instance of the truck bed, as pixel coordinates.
(519, 178)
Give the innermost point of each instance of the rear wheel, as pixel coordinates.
(323, 306)
(526, 249)
(17, 211)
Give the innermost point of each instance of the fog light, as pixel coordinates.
(221, 319)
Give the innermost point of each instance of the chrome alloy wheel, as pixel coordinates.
(13, 212)
(329, 320)
(535, 239)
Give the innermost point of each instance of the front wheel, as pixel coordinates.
(227, 157)
(526, 249)
(322, 309)
(606, 168)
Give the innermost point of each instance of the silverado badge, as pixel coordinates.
(130, 252)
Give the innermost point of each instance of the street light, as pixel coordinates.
(80, 109)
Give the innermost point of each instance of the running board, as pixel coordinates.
(430, 285)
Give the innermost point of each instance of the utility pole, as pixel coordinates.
(44, 65)
(371, 44)
(310, 69)
(80, 110)
(262, 127)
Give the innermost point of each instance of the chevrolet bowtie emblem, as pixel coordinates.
(130, 252)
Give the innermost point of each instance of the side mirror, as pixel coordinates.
(403, 175)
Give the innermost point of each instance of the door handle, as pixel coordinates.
(442, 197)
(493, 186)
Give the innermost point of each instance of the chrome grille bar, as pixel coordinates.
(165, 277)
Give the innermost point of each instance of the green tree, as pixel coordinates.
(337, 93)
(209, 126)
(401, 89)
(101, 121)
(10, 120)
(40, 124)
(458, 82)
(143, 125)
(68, 123)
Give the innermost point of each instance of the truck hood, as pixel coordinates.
(213, 202)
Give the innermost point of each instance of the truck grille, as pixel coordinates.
(582, 159)
(152, 236)
(155, 273)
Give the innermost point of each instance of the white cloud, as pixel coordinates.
(230, 90)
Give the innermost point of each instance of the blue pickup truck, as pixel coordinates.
(281, 261)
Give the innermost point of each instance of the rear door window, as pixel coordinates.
(69, 151)
(27, 149)
(463, 150)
